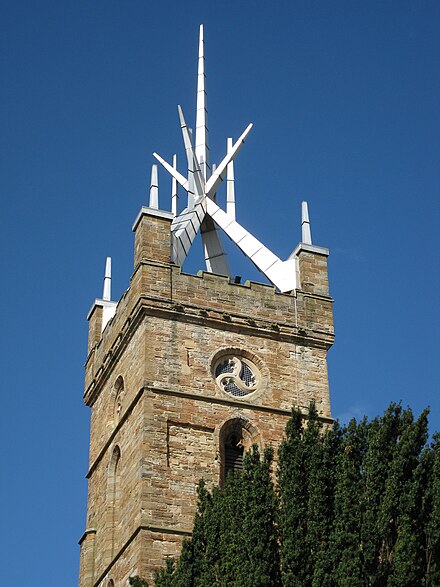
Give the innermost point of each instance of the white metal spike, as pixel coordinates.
(154, 189)
(183, 182)
(230, 185)
(108, 307)
(201, 142)
(215, 180)
(195, 180)
(107, 289)
(184, 229)
(215, 257)
(305, 224)
(214, 196)
(281, 273)
(201, 187)
(174, 189)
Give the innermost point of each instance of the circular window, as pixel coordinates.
(236, 375)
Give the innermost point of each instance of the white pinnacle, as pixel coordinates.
(305, 224)
(107, 289)
(154, 188)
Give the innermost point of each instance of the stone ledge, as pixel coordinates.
(146, 211)
(227, 402)
(309, 249)
(87, 532)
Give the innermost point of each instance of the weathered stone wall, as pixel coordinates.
(167, 416)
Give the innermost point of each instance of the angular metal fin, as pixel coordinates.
(215, 180)
(201, 138)
(174, 189)
(178, 176)
(230, 185)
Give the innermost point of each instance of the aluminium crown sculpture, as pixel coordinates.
(202, 211)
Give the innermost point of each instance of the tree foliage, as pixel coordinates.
(357, 506)
(137, 582)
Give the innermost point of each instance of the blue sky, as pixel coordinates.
(344, 97)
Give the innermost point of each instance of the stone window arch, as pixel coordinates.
(236, 436)
(113, 502)
(117, 401)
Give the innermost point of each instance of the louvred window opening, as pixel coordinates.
(233, 454)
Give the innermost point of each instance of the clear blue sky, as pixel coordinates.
(344, 97)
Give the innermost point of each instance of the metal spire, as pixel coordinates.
(215, 257)
(195, 187)
(230, 187)
(216, 178)
(201, 142)
(200, 184)
(107, 289)
(305, 224)
(205, 215)
(154, 189)
(174, 190)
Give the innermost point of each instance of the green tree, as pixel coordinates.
(234, 541)
(382, 437)
(345, 538)
(432, 512)
(248, 545)
(165, 577)
(406, 485)
(324, 564)
(293, 503)
(306, 481)
(137, 582)
(259, 565)
(357, 506)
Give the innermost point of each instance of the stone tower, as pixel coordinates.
(185, 372)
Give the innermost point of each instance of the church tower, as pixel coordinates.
(186, 372)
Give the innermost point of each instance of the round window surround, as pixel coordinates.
(236, 375)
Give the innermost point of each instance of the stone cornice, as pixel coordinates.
(87, 532)
(146, 211)
(308, 248)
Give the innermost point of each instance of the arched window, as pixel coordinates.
(117, 400)
(235, 438)
(113, 499)
(234, 450)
